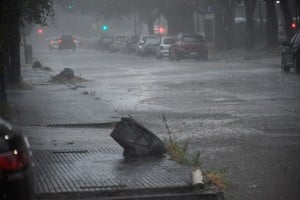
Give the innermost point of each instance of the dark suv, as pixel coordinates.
(16, 176)
(140, 47)
(66, 42)
(290, 55)
(188, 46)
(131, 44)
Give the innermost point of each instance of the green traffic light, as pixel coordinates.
(104, 28)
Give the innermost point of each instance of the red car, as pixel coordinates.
(16, 173)
(189, 46)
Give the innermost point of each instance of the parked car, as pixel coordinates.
(130, 44)
(66, 42)
(78, 41)
(142, 42)
(104, 43)
(117, 43)
(163, 48)
(290, 55)
(188, 46)
(53, 43)
(16, 174)
(149, 46)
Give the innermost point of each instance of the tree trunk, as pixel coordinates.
(250, 28)
(287, 18)
(272, 24)
(150, 26)
(219, 25)
(229, 24)
(14, 67)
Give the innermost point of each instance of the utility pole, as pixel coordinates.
(134, 21)
(3, 95)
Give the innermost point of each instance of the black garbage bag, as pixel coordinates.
(136, 140)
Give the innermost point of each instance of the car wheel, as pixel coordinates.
(297, 64)
(177, 57)
(284, 68)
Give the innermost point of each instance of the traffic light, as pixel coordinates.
(104, 27)
(294, 25)
(40, 31)
(70, 7)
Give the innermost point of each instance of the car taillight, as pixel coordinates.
(59, 41)
(51, 42)
(13, 161)
(74, 41)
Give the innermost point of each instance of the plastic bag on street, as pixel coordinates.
(136, 140)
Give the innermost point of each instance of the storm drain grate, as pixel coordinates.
(103, 170)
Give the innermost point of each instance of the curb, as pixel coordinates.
(155, 193)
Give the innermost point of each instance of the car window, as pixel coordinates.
(169, 40)
(192, 38)
(67, 37)
(152, 41)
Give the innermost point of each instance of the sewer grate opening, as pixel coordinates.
(70, 151)
(103, 187)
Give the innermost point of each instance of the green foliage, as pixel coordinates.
(179, 151)
(15, 13)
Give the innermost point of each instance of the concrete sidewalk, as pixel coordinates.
(72, 160)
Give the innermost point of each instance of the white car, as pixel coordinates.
(163, 49)
(53, 43)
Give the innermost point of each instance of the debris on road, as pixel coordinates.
(38, 65)
(67, 76)
(136, 140)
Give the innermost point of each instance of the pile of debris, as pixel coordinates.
(38, 65)
(67, 76)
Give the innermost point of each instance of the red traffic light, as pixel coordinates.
(294, 25)
(40, 31)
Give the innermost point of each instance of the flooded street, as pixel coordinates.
(243, 116)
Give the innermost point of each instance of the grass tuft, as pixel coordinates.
(216, 178)
(179, 152)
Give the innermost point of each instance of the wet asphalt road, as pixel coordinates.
(244, 117)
